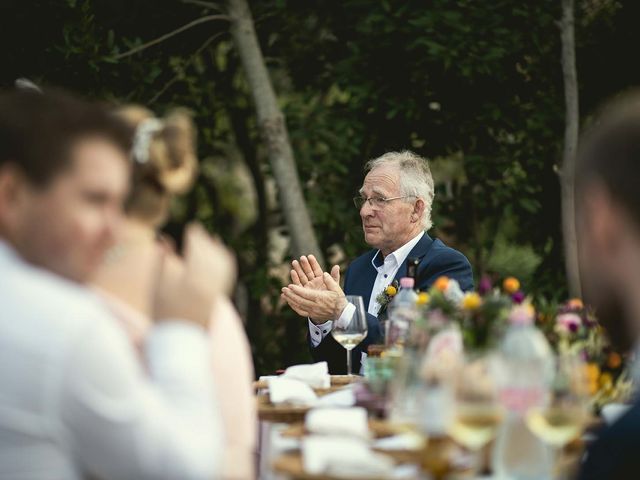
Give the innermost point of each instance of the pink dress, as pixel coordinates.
(233, 371)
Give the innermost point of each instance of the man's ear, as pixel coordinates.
(605, 220)
(13, 188)
(418, 210)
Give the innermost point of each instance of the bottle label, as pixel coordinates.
(521, 399)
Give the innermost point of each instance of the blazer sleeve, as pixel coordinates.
(450, 263)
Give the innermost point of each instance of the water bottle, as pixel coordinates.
(402, 313)
(527, 365)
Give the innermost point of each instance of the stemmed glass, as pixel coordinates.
(478, 411)
(350, 331)
(562, 417)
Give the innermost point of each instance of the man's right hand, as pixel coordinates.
(186, 289)
(307, 272)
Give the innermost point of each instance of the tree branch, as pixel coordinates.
(166, 36)
(176, 77)
(201, 3)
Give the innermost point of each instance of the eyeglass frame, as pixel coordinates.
(360, 201)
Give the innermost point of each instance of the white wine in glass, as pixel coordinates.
(556, 426)
(352, 330)
(478, 410)
(474, 428)
(562, 417)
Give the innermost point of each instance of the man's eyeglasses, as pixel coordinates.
(377, 202)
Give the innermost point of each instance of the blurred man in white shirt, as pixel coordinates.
(74, 400)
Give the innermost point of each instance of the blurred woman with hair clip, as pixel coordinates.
(164, 164)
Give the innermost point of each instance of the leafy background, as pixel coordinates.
(476, 87)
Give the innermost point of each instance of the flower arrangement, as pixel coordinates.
(481, 315)
(570, 328)
(573, 328)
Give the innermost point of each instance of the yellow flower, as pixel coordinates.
(391, 290)
(575, 304)
(606, 381)
(441, 283)
(423, 298)
(511, 285)
(471, 301)
(592, 372)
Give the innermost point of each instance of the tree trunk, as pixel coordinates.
(570, 147)
(273, 129)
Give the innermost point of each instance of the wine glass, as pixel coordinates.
(350, 331)
(562, 417)
(478, 411)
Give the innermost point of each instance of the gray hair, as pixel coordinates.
(414, 176)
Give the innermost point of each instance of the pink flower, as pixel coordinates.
(568, 322)
(522, 314)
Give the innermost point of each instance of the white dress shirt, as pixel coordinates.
(74, 399)
(386, 273)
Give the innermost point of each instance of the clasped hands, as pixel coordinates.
(314, 293)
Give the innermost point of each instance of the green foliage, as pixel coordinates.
(474, 86)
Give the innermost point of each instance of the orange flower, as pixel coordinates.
(575, 304)
(614, 360)
(511, 285)
(442, 283)
(391, 290)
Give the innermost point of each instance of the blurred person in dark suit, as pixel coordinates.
(608, 207)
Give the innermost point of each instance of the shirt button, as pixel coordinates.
(385, 275)
(324, 331)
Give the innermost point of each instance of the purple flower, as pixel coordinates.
(568, 322)
(518, 297)
(485, 285)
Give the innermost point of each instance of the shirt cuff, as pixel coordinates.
(318, 332)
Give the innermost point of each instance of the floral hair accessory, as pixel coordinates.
(142, 139)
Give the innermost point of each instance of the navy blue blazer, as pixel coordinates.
(615, 455)
(436, 259)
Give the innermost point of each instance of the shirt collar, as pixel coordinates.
(399, 255)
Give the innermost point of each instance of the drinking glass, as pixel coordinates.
(563, 415)
(350, 331)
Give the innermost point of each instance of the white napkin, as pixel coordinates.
(315, 375)
(284, 390)
(343, 457)
(345, 397)
(402, 441)
(338, 421)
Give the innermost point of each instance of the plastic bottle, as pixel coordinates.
(403, 311)
(527, 366)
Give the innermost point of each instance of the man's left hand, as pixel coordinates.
(319, 305)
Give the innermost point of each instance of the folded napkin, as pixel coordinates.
(315, 375)
(402, 441)
(343, 457)
(284, 390)
(345, 397)
(338, 421)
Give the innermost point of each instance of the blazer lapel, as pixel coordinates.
(420, 250)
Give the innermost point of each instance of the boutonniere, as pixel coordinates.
(385, 297)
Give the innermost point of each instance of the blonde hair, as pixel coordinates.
(168, 167)
(414, 176)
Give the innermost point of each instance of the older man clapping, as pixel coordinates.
(395, 207)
